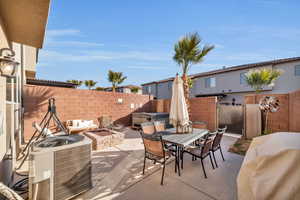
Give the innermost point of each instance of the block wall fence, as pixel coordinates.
(202, 109)
(287, 118)
(80, 104)
(89, 105)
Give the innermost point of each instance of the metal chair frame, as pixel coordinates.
(216, 145)
(201, 156)
(156, 158)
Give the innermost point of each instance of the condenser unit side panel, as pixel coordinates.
(72, 169)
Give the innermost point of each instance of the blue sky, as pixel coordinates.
(84, 39)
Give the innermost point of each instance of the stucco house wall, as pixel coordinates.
(230, 84)
(288, 82)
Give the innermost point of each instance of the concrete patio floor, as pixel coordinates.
(117, 175)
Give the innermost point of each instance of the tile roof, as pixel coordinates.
(233, 68)
(50, 83)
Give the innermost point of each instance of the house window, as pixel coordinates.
(170, 85)
(243, 78)
(210, 82)
(149, 89)
(297, 70)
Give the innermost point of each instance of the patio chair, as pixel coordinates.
(155, 151)
(148, 128)
(159, 126)
(201, 151)
(216, 144)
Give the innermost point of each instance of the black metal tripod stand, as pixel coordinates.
(51, 114)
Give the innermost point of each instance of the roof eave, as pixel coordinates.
(25, 21)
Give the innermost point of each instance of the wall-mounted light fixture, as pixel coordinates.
(120, 101)
(8, 64)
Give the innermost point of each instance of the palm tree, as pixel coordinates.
(115, 78)
(90, 84)
(135, 90)
(188, 51)
(78, 83)
(258, 78)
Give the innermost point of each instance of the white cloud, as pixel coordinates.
(62, 32)
(288, 33)
(252, 57)
(219, 46)
(137, 55)
(53, 41)
(269, 2)
(145, 67)
(73, 43)
(84, 56)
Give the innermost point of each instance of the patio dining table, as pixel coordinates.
(181, 140)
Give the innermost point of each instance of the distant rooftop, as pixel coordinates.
(233, 68)
(50, 83)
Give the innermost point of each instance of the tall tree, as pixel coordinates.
(258, 78)
(189, 51)
(90, 84)
(78, 83)
(115, 78)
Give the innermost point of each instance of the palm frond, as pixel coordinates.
(189, 51)
(116, 78)
(259, 78)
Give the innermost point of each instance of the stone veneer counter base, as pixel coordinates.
(104, 138)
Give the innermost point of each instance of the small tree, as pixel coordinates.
(258, 78)
(90, 84)
(99, 88)
(115, 78)
(135, 90)
(78, 83)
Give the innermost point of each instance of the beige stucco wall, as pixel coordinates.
(3, 44)
(4, 168)
(30, 55)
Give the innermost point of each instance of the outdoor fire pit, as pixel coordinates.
(104, 138)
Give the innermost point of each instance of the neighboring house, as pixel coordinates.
(22, 29)
(229, 83)
(125, 89)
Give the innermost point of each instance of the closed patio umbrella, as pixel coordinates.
(271, 168)
(179, 116)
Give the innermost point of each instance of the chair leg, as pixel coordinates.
(163, 173)
(178, 165)
(181, 160)
(144, 165)
(212, 164)
(203, 169)
(213, 153)
(222, 153)
(175, 164)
